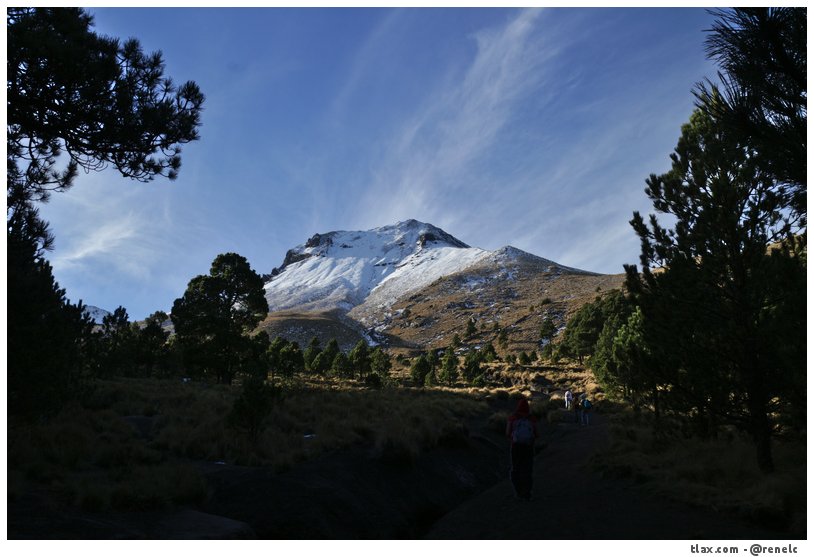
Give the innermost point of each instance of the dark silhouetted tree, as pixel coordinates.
(725, 315)
(87, 101)
(46, 334)
(291, 360)
(74, 100)
(252, 407)
(472, 365)
(762, 98)
(217, 312)
(152, 352)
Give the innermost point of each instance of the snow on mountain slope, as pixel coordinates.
(341, 269)
(375, 268)
(421, 269)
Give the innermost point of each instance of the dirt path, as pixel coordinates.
(570, 501)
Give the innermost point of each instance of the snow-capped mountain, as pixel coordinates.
(414, 285)
(342, 270)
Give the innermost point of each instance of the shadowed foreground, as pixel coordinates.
(572, 502)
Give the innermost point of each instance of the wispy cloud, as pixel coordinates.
(363, 60)
(435, 151)
(109, 226)
(104, 239)
(121, 243)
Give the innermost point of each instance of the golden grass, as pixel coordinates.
(91, 455)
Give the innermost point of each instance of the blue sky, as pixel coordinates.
(527, 127)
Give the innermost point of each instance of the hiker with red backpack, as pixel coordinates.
(522, 430)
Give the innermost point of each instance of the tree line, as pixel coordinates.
(75, 100)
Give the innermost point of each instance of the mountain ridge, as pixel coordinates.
(342, 269)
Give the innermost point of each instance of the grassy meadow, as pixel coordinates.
(141, 444)
(133, 444)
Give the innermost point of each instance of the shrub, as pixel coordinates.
(373, 381)
(251, 408)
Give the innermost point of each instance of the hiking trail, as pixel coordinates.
(572, 501)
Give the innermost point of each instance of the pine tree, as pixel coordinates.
(217, 312)
(380, 362)
(548, 330)
(291, 360)
(472, 365)
(762, 100)
(503, 339)
(79, 100)
(719, 315)
(91, 98)
(152, 352)
(360, 358)
(274, 356)
(488, 353)
(331, 350)
(432, 359)
(342, 366)
(449, 367)
(311, 353)
(470, 328)
(419, 370)
(322, 363)
(45, 336)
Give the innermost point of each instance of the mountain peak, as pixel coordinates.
(343, 269)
